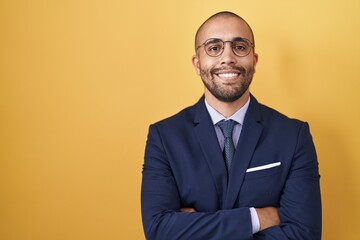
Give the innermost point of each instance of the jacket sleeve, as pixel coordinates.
(161, 203)
(300, 202)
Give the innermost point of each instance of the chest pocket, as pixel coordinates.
(262, 188)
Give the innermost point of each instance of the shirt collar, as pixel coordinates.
(238, 116)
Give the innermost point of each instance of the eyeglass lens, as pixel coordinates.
(215, 47)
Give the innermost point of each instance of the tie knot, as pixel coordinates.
(227, 127)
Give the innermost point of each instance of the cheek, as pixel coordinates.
(206, 62)
(205, 70)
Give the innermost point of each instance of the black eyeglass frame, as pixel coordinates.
(237, 39)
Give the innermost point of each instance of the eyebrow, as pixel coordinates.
(213, 40)
(236, 39)
(239, 39)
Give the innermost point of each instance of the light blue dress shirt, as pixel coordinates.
(238, 117)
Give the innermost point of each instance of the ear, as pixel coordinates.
(196, 64)
(255, 60)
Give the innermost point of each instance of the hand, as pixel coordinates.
(268, 217)
(188, 210)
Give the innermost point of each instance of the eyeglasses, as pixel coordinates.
(214, 47)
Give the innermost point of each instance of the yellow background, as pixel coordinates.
(80, 81)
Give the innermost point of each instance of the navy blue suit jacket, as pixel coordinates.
(184, 167)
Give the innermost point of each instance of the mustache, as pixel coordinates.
(240, 69)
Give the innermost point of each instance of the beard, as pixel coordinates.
(231, 92)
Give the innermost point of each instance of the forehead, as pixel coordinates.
(225, 28)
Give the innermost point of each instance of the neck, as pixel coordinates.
(227, 109)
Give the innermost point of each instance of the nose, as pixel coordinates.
(228, 57)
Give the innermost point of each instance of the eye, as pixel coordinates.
(240, 46)
(214, 47)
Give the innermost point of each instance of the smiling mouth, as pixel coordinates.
(228, 75)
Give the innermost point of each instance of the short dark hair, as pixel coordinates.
(223, 14)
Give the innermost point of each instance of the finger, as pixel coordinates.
(189, 210)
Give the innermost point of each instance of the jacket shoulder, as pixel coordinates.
(278, 121)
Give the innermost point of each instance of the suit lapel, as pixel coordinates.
(206, 136)
(250, 134)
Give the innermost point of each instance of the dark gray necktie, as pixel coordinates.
(229, 149)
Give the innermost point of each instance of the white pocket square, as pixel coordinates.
(263, 167)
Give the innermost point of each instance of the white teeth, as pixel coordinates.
(228, 75)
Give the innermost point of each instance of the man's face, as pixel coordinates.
(227, 77)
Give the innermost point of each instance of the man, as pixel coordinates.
(228, 167)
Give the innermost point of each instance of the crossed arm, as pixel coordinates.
(268, 216)
(164, 216)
